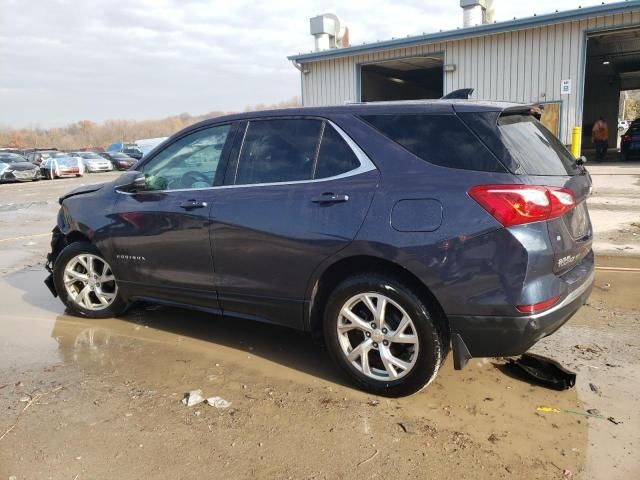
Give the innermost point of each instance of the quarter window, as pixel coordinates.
(335, 156)
(190, 162)
(439, 139)
(278, 151)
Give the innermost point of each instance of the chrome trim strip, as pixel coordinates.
(570, 298)
(366, 165)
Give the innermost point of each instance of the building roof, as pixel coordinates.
(477, 31)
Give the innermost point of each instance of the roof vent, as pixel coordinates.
(328, 32)
(477, 12)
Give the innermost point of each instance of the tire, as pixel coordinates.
(90, 305)
(422, 347)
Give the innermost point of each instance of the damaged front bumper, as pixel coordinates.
(58, 242)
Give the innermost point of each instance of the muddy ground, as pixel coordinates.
(87, 399)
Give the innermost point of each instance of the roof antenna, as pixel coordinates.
(461, 94)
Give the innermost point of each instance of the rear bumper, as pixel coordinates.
(483, 336)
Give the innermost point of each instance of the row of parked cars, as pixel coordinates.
(35, 164)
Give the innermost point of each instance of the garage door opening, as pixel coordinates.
(613, 67)
(412, 78)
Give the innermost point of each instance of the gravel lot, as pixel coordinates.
(102, 399)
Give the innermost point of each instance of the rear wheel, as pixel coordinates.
(85, 282)
(383, 335)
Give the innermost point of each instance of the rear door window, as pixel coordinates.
(535, 149)
(439, 139)
(279, 150)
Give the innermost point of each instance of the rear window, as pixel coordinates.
(439, 139)
(535, 150)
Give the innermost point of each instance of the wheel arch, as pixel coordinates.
(346, 267)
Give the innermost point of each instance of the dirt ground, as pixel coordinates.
(86, 399)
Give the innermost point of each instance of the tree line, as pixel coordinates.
(90, 134)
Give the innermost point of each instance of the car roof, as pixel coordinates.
(441, 106)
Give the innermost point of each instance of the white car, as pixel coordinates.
(94, 162)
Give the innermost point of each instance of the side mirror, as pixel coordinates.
(581, 161)
(130, 181)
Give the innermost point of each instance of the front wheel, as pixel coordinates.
(383, 335)
(85, 282)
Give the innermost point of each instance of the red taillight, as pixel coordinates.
(518, 204)
(538, 307)
(626, 138)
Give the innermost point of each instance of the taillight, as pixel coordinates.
(519, 204)
(626, 138)
(538, 307)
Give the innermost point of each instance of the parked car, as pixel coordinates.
(147, 144)
(630, 141)
(395, 231)
(121, 161)
(130, 149)
(16, 168)
(38, 156)
(93, 162)
(61, 165)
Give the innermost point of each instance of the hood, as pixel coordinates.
(21, 166)
(81, 191)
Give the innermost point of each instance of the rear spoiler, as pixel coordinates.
(534, 110)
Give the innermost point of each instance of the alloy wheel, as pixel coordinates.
(89, 282)
(377, 336)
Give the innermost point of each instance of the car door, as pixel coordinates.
(160, 235)
(296, 192)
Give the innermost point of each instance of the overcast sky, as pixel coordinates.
(68, 60)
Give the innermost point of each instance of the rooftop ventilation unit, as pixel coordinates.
(477, 12)
(328, 32)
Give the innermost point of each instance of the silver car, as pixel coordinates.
(94, 163)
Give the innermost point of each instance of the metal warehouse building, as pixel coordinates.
(575, 63)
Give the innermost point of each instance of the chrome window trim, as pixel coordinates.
(366, 165)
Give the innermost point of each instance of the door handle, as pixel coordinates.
(192, 204)
(329, 197)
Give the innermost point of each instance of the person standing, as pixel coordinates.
(600, 137)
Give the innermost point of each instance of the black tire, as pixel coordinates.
(117, 307)
(433, 340)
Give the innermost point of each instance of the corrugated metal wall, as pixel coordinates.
(526, 65)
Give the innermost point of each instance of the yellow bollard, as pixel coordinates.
(576, 141)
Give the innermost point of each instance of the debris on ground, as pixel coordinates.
(588, 413)
(194, 397)
(614, 421)
(594, 411)
(218, 402)
(567, 473)
(493, 438)
(373, 403)
(594, 388)
(543, 370)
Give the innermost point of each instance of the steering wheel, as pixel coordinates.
(193, 176)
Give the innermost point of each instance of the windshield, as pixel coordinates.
(91, 155)
(66, 162)
(11, 158)
(535, 149)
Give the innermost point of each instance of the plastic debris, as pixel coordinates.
(194, 397)
(548, 409)
(567, 473)
(594, 388)
(544, 371)
(218, 402)
(373, 403)
(593, 411)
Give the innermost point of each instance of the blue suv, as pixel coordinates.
(394, 231)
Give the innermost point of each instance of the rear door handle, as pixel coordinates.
(192, 204)
(330, 198)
